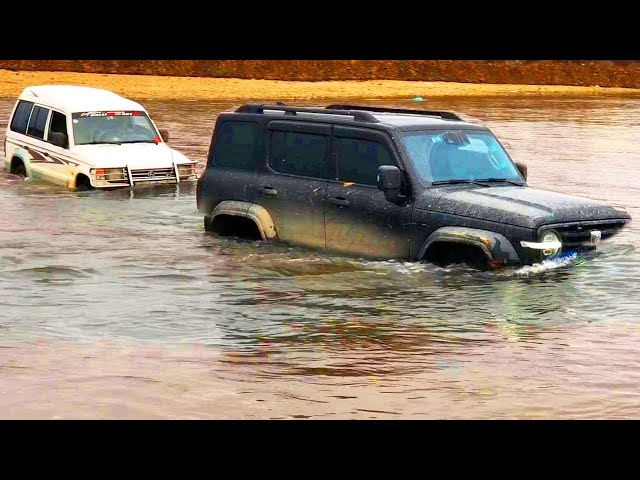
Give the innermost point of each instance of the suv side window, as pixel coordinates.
(237, 145)
(358, 160)
(299, 153)
(21, 117)
(37, 122)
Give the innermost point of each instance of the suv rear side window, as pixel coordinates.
(37, 122)
(21, 117)
(358, 160)
(237, 145)
(299, 153)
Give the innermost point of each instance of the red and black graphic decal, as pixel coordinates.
(120, 113)
(39, 157)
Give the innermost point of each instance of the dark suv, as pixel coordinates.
(387, 183)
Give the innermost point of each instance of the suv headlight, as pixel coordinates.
(550, 244)
(551, 239)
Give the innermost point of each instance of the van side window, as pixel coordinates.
(21, 117)
(237, 145)
(358, 160)
(37, 122)
(299, 153)
(58, 124)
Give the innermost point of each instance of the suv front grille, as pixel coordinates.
(153, 174)
(578, 233)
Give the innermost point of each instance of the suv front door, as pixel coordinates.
(358, 218)
(294, 186)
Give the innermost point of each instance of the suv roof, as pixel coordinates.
(402, 118)
(76, 98)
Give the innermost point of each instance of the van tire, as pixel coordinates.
(19, 169)
(83, 184)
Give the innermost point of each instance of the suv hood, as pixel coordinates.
(521, 206)
(136, 155)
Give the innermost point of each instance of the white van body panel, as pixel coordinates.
(31, 141)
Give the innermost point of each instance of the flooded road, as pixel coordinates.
(119, 305)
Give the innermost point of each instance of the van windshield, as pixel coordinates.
(113, 127)
(459, 155)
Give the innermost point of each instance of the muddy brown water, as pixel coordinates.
(119, 305)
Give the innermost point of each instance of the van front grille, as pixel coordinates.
(153, 174)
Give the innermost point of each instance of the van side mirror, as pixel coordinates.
(59, 139)
(390, 182)
(164, 133)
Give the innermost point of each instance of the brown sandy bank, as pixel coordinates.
(202, 88)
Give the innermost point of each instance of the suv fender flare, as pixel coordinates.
(255, 212)
(494, 245)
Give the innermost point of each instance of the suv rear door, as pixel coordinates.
(358, 218)
(294, 186)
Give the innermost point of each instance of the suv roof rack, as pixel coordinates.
(432, 113)
(358, 114)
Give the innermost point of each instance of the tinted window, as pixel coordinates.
(358, 160)
(236, 145)
(37, 122)
(21, 117)
(58, 125)
(299, 153)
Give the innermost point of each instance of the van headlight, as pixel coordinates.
(187, 171)
(550, 244)
(110, 174)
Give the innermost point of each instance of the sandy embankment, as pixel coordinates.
(142, 87)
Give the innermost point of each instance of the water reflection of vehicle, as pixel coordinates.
(151, 190)
(86, 138)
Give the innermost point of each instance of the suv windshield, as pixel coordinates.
(460, 155)
(113, 127)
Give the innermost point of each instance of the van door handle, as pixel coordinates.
(267, 191)
(341, 202)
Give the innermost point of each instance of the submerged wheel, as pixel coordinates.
(20, 169)
(83, 184)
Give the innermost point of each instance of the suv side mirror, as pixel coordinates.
(58, 139)
(390, 182)
(523, 169)
(164, 133)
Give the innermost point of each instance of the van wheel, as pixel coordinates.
(83, 184)
(20, 169)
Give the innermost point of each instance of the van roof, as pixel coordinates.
(77, 98)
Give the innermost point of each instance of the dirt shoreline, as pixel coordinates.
(143, 87)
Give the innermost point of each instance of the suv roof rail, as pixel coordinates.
(432, 113)
(358, 115)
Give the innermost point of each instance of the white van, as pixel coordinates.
(85, 138)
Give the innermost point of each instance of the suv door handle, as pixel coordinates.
(267, 190)
(340, 201)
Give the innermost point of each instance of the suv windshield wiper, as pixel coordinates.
(503, 180)
(455, 181)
